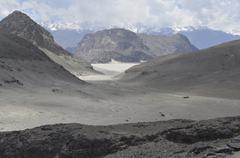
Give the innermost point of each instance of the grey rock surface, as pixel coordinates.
(156, 139)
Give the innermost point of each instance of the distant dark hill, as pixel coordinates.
(213, 71)
(22, 65)
(119, 44)
(127, 46)
(20, 24)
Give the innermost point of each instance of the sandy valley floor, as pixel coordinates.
(104, 102)
(109, 70)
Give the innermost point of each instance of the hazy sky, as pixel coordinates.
(218, 14)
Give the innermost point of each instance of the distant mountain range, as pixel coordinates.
(205, 37)
(127, 46)
(201, 37)
(69, 38)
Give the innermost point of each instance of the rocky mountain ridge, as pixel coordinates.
(127, 46)
(69, 38)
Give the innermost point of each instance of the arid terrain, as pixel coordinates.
(123, 94)
(104, 102)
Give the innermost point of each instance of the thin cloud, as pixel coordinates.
(218, 14)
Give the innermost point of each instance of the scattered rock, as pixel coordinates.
(208, 155)
(162, 114)
(13, 80)
(55, 90)
(234, 146)
(237, 139)
(225, 150)
(205, 131)
(214, 155)
(198, 150)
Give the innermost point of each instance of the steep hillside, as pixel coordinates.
(212, 71)
(20, 24)
(23, 65)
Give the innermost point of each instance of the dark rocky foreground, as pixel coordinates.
(167, 139)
